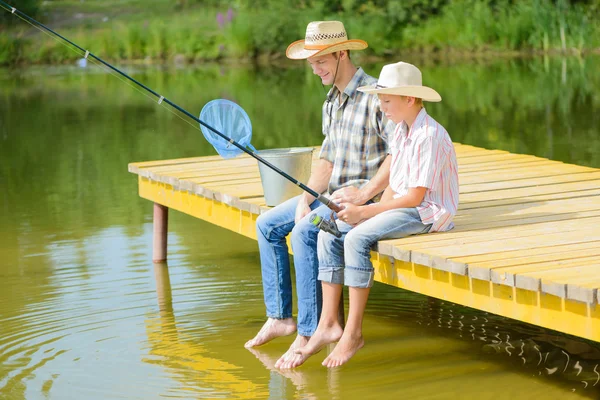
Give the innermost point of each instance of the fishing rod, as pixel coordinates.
(161, 99)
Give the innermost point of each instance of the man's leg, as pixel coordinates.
(304, 247)
(271, 228)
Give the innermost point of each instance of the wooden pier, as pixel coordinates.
(526, 243)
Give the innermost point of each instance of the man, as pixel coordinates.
(353, 167)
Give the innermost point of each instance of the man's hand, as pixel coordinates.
(302, 210)
(351, 214)
(349, 194)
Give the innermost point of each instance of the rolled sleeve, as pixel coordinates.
(327, 151)
(427, 158)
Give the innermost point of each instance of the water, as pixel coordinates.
(85, 314)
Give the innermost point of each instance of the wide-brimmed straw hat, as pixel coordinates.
(323, 37)
(402, 79)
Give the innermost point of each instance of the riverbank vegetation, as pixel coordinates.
(198, 30)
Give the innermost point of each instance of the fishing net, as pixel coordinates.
(231, 120)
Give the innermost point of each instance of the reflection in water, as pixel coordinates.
(527, 346)
(187, 358)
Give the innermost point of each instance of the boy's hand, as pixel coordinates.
(349, 194)
(351, 214)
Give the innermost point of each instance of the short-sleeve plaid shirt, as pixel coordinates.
(356, 133)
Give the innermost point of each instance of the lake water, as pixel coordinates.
(84, 314)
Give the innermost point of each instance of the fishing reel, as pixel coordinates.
(325, 225)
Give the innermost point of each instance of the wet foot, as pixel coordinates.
(344, 350)
(323, 336)
(272, 329)
(299, 342)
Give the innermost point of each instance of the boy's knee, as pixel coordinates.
(356, 240)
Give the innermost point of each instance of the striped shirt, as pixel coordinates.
(424, 157)
(356, 133)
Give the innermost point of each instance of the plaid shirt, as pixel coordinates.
(356, 133)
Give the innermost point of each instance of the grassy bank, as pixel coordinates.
(158, 30)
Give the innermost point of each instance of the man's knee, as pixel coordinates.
(304, 231)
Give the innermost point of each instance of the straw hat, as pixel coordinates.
(402, 79)
(323, 37)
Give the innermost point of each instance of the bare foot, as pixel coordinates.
(272, 329)
(344, 350)
(299, 342)
(322, 337)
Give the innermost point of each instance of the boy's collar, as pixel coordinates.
(404, 130)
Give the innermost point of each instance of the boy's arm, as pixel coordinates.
(353, 215)
(413, 198)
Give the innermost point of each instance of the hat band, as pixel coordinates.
(378, 86)
(317, 46)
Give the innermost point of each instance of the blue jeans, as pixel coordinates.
(272, 227)
(347, 260)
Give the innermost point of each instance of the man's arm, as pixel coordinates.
(318, 181)
(351, 194)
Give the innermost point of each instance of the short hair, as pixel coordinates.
(418, 100)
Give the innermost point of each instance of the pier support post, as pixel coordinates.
(161, 222)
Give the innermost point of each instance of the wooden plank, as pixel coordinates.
(564, 248)
(519, 275)
(471, 178)
(583, 289)
(527, 192)
(502, 165)
(441, 257)
(495, 270)
(528, 183)
(134, 167)
(555, 281)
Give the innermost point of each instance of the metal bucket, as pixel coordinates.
(295, 161)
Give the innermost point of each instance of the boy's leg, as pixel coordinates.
(358, 274)
(308, 289)
(271, 228)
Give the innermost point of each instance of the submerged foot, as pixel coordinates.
(272, 329)
(323, 336)
(344, 350)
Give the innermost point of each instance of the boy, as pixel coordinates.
(422, 197)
